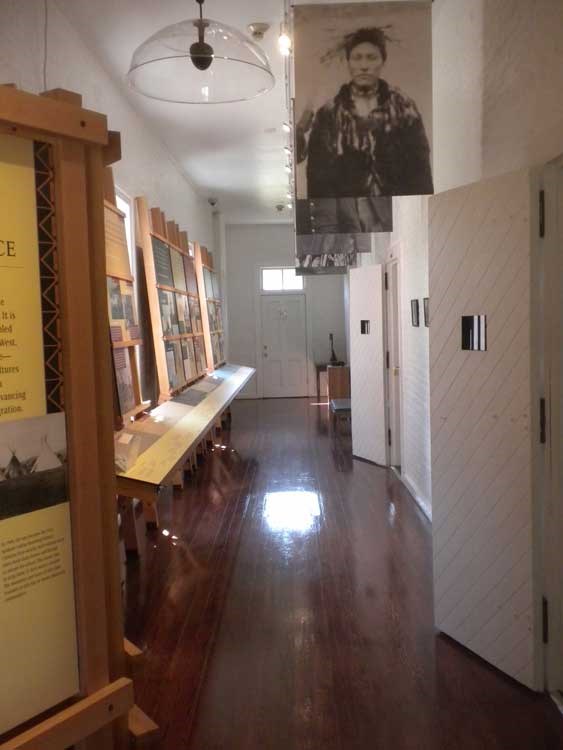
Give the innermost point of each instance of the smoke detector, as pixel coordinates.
(258, 29)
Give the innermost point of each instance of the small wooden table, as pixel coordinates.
(338, 377)
(322, 367)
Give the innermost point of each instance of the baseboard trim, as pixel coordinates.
(368, 461)
(557, 698)
(415, 495)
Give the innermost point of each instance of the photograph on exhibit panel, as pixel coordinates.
(173, 379)
(124, 380)
(180, 373)
(363, 99)
(195, 314)
(121, 304)
(32, 464)
(162, 263)
(339, 216)
(168, 314)
(188, 355)
(178, 273)
(129, 311)
(200, 359)
(182, 305)
(116, 311)
(191, 279)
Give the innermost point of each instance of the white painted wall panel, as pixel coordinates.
(483, 504)
(369, 429)
(410, 237)
(498, 77)
(249, 246)
(409, 243)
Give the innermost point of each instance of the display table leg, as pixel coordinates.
(150, 513)
(129, 527)
(178, 479)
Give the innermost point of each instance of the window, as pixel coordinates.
(124, 204)
(281, 280)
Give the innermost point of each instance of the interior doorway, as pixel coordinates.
(283, 348)
(392, 369)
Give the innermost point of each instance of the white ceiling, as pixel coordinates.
(230, 151)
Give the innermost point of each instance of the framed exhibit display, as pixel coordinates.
(59, 563)
(124, 330)
(211, 302)
(174, 301)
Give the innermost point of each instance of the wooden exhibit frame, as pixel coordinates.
(81, 147)
(118, 268)
(154, 226)
(204, 262)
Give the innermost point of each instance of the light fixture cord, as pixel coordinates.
(45, 36)
(201, 27)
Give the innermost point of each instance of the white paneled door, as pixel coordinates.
(485, 435)
(284, 345)
(367, 363)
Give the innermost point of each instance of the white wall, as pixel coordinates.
(249, 246)
(409, 240)
(146, 167)
(409, 243)
(498, 77)
(457, 38)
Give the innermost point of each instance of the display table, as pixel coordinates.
(151, 452)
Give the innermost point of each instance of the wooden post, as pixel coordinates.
(203, 305)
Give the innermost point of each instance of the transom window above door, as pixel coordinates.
(280, 280)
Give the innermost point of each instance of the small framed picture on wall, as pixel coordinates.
(425, 305)
(415, 313)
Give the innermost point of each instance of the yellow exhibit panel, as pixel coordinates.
(22, 376)
(38, 647)
(38, 639)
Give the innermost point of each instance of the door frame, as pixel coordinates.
(389, 266)
(259, 293)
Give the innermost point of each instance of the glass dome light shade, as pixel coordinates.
(163, 68)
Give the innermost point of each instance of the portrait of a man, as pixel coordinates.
(360, 133)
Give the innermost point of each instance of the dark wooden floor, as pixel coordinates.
(290, 607)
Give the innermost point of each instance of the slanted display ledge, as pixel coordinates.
(154, 451)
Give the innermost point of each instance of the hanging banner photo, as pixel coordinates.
(363, 100)
(352, 217)
(311, 263)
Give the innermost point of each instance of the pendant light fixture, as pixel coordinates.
(200, 61)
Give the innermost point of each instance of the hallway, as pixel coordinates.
(299, 581)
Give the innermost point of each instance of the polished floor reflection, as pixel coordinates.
(288, 606)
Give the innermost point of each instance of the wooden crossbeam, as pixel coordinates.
(51, 115)
(81, 720)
